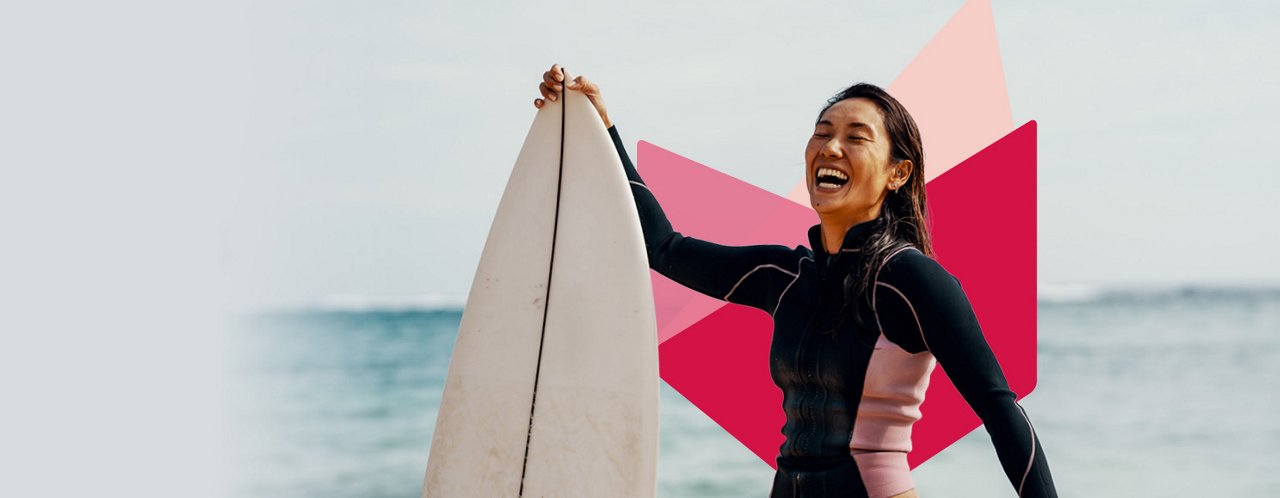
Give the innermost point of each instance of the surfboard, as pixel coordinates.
(552, 387)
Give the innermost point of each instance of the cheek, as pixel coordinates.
(868, 182)
(871, 169)
(862, 169)
(877, 181)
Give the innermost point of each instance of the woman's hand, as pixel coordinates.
(553, 84)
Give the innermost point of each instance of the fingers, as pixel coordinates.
(551, 83)
(556, 80)
(582, 84)
(548, 93)
(549, 80)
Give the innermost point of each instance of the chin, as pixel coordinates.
(829, 208)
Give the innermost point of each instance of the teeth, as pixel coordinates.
(828, 185)
(832, 172)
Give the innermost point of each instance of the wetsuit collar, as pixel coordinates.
(853, 239)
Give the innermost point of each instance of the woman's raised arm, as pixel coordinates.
(753, 275)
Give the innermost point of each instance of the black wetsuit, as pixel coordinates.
(921, 311)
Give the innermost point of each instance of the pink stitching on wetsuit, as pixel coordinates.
(753, 270)
(913, 313)
(877, 278)
(1032, 459)
(799, 266)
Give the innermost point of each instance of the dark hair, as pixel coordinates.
(902, 215)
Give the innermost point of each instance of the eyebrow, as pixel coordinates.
(854, 124)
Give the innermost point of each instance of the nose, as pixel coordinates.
(831, 148)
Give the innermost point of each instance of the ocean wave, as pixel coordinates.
(351, 303)
(1149, 293)
(1068, 293)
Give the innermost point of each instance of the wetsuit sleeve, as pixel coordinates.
(748, 275)
(921, 306)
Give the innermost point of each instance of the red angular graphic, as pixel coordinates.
(983, 220)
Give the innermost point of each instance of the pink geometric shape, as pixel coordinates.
(983, 220)
(955, 90)
(983, 216)
(718, 208)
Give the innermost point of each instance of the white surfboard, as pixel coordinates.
(553, 383)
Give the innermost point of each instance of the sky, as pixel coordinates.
(162, 163)
(380, 136)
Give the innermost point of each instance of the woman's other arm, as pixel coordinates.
(921, 306)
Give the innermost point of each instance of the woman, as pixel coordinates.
(860, 317)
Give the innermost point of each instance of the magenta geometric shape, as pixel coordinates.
(983, 222)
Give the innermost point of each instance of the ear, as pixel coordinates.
(902, 171)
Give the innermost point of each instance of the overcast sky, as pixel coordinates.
(382, 135)
(299, 150)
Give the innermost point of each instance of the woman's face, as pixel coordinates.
(848, 162)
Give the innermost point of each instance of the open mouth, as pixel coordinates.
(830, 179)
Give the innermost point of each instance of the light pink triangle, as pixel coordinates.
(955, 90)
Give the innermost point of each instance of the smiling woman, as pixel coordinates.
(852, 389)
(855, 132)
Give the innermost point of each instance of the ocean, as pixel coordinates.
(1165, 392)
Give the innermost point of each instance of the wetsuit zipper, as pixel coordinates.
(809, 374)
(802, 441)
